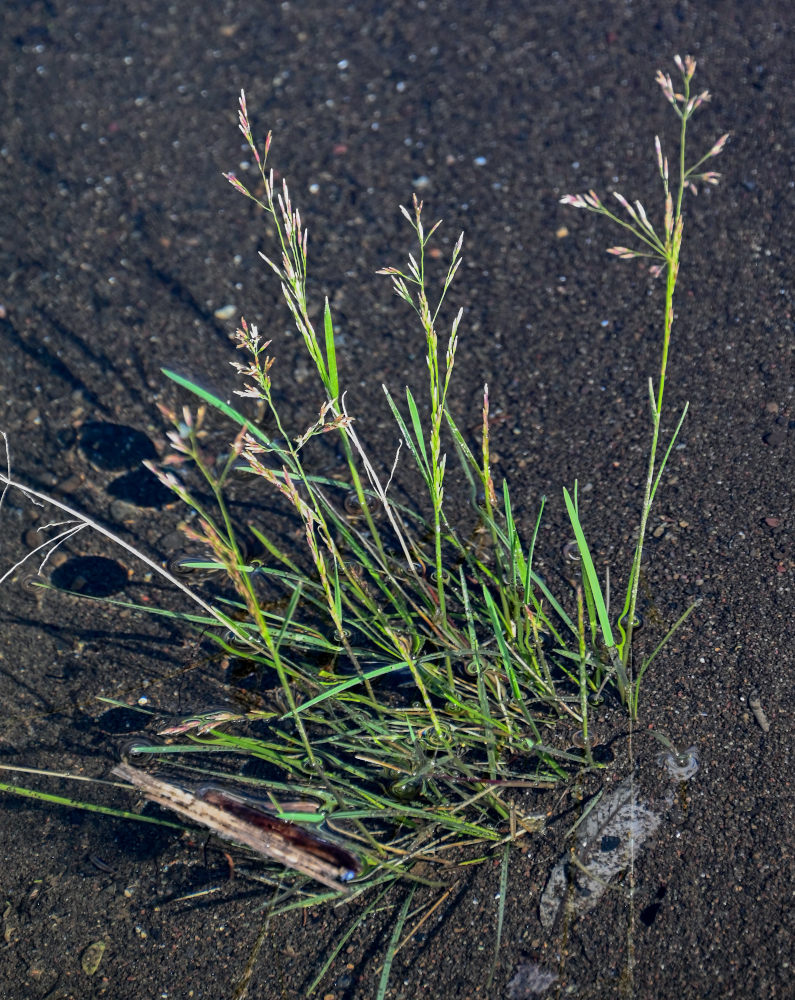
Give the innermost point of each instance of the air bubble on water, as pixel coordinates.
(680, 766)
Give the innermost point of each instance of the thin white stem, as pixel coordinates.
(106, 533)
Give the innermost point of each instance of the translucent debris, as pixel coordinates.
(607, 841)
(530, 980)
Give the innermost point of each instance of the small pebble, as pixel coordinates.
(70, 485)
(755, 705)
(33, 538)
(775, 437)
(121, 511)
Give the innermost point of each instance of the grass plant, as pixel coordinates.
(417, 673)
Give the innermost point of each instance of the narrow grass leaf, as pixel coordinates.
(343, 939)
(417, 424)
(531, 551)
(331, 353)
(589, 570)
(506, 853)
(223, 407)
(397, 930)
(664, 461)
(420, 458)
(60, 800)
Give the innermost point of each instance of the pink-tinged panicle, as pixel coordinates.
(696, 102)
(711, 177)
(669, 216)
(286, 217)
(297, 228)
(177, 442)
(168, 479)
(624, 253)
(242, 116)
(688, 68)
(288, 268)
(261, 159)
(680, 222)
(236, 183)
(626, 205)
(718, 147)
(665, 81)
(644, 220)
(590, 200)
(662, 161)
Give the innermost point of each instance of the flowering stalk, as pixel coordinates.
(439, 382)
(666, 250)
(291, 271)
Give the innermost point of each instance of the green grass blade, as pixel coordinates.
(486, 720)
(345, 937)
(648, 660)
(516, 564)
(664, 461)
(60, 800)
(499, 634)
(331, 354)
(506, 853)
(397, 930)
(338, 689)
(417, 424)
(465, 457)
(531, 551)
(589, 570)
(419, 457)
(222, 406)
(554, 604)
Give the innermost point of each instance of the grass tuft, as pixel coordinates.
(417, 673)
